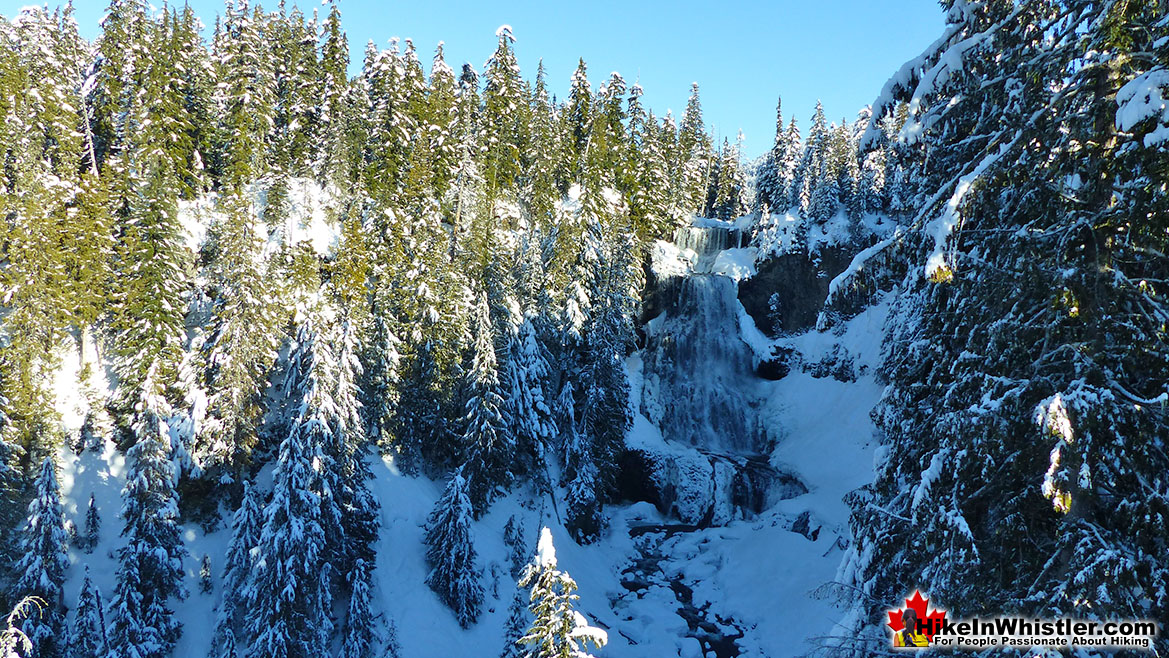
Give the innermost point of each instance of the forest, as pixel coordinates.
(243, 279)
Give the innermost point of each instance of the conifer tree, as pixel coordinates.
(450, 552)
(694, 151)
(529, 375)
(122, 52)
(289, 586)
(92, 525)
(334, 65)
(42, 569)
(577, 117)
(541, 189)
(728, 202)
(1073, 509)
(87, 637)
(241, 343)
(488, 441)
(236, 585)
(442, 116)
(772, 184)
(557, 630)
(150, 571)
(248, 93)
(153, 262)
(359, 623)
(515, 628)
(505, 117)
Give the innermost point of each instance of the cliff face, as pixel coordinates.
(789, 290)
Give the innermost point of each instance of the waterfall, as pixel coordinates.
(707, 241)
(698, 371)
(700, 390)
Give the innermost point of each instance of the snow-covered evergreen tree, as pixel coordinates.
(42, 569)
(505, 119)
(450, 552)
(240, 345)
(150, 564)
(235, 586)
(92, 532)
(489, 443)
(289, 587)
(360, 637)
(513, 538)
(557, 630)
(515, 628)
(87, 636)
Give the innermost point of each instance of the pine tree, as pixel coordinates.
(578, 123)
(206, 585)
(241, 343)
(122, 54)
(505, 117)
(557, 630)
(248, 88)
(42, 569)
(150, 572)
(694, 151)
(728, 202)
(152, 259)
(92, 525)
(237, 567)
(334, 65)
(773, 181)
(357, 505)
(290, 597)
(529, 375)
(488, 442)
(87, 637)
(359, 630)
(540, 191)
(513, 538)
(515, 627)
(442, 113)
(451, 555)
(1057, 498)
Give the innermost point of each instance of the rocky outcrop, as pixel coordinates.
(788, 291)
(703, 488)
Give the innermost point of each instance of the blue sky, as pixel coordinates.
(743, 54)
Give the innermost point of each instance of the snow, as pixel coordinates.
(777, 234)
(901, 80)
(941, 228)
(309, 220)
(756, 572)
(545, 551)
(928, 477)
(666, 260)
(738, 264)
(1142, 98)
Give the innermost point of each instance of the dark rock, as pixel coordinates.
(802, 287)
(802, 526)
(635, 480)
(704, 489)
(634, 584)
(777, 366)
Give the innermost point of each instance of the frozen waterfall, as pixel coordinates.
(699, 376)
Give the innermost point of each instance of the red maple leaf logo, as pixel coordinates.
(920, 605)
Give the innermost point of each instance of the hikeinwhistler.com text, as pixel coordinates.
(1024, 632)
